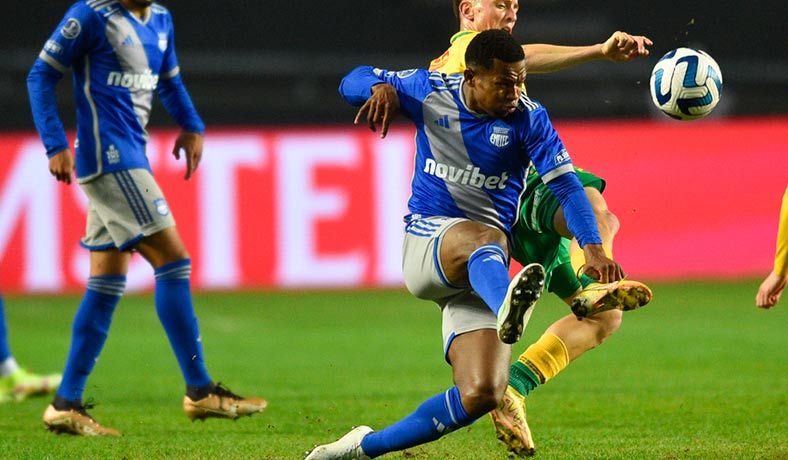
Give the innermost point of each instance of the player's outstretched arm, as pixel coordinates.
(620, 47)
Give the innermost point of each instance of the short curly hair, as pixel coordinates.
(490, 45)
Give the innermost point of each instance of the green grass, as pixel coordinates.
(698, 374)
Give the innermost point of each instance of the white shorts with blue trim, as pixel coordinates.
(462, 309)
(124, 207)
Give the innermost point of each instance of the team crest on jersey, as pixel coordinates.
(162, 41)
(71, 29)
(500, 136)
(161, 206)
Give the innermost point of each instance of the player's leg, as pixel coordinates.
(8, 364)
(565, 340)
(535, 239)
(467, 321)
(549, 249)
(105, 286)
(595, 298)
(17, 383)
(473, 254)
(479, 364)
(163, 248)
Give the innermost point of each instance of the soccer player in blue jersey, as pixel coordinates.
(476, 134)
(541, 235)
(122, 51)
(17, 383)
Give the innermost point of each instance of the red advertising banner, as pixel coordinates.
(322, 207)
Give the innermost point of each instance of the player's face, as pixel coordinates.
(495, 14)
(496, 91)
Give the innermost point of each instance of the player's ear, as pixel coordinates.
(465, 10)
(469, 75)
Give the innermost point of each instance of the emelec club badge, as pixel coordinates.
(71, 29)
(162, 41)
(500, 136)
(161, 206)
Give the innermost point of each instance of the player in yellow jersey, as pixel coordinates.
(542, 235)
(772, 287)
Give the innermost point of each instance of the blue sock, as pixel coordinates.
(89, 332)
(5, 349)
(489, 274)
(439, 415)
(173, 299)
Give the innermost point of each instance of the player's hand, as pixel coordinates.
(380, 108)
(599, 266)
(191, 144)
(61, 165)
(622, 47)
(770, 291)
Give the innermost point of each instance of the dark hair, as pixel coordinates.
(492, 44)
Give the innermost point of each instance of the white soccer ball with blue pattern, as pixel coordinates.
(686, 84)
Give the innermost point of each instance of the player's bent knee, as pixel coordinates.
(608, 220)
(476, 405)
(481, 397)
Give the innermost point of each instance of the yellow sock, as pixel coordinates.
(546, 357)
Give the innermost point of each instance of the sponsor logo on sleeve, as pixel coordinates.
(562, 157)
(53, 47)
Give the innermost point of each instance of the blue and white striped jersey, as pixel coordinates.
(118, 61)
(467, 164)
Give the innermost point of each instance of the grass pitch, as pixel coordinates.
(698, 374)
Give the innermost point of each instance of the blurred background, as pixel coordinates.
(290, 194)
(277, 62)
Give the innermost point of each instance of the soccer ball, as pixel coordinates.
(686, 84)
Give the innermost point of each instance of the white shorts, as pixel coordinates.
(462, 309)
(124, 207)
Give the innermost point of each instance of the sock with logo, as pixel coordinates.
(435, 417)
(89, 332)
(539, 363)
(173, 300)
(489, 274)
